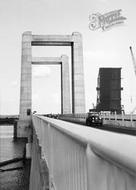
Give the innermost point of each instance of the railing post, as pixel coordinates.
(109, 115)
(123, 119)
(115, 115)
(131, 119)
(103, 115)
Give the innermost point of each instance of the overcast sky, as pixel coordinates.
(100, 48)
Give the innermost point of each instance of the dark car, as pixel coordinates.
(93, 120)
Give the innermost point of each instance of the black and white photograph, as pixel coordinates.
(67, 95)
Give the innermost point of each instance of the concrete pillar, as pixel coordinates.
(25, 89)
(78, 91)
(65, 86)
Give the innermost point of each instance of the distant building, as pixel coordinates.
(109, 90)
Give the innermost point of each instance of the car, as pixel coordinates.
(94, 119)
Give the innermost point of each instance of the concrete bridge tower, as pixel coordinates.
(77, 78)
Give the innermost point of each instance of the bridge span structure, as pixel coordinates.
(67, 156)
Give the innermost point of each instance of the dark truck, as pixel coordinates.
(94, 119)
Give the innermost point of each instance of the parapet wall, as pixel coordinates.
(120, 120)
(80, 158)
(39, 176)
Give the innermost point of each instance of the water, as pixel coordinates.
(9, 149)
(6, 131)
(7, 146)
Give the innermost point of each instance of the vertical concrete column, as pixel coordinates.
(78, 91)
(65, 86)
(25, 89)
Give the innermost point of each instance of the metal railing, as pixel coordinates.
(82, 158)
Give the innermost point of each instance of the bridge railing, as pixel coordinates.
(81, 158)
(126, 120)
(120, 120)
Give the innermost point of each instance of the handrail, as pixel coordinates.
(106, 144)
(115, 149)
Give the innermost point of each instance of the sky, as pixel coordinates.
(100, 49)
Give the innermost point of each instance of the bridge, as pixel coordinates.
(65, 155)
(71, 156)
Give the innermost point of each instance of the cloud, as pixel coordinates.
(41, 71)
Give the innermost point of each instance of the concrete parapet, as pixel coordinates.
(39, 176)
(85, 158)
